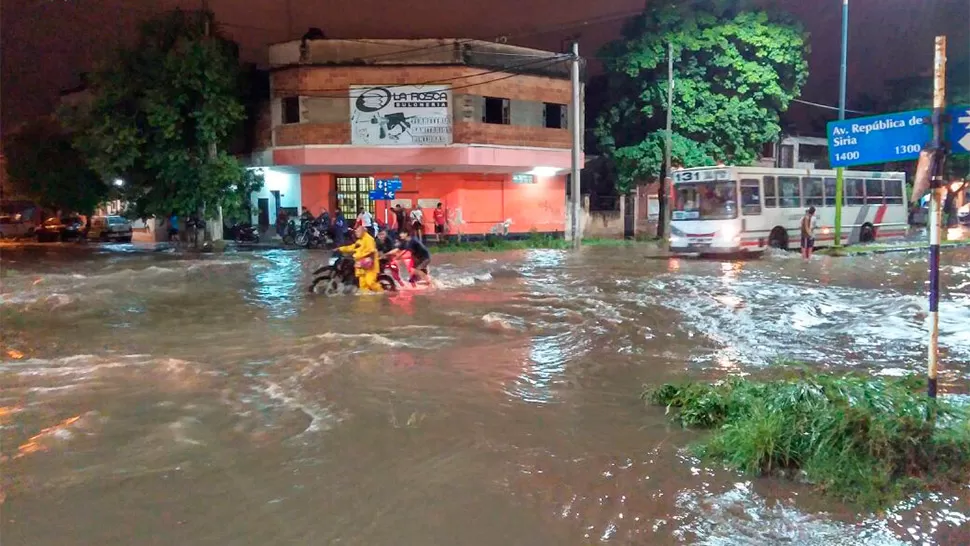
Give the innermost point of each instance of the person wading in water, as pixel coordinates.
(809, 225)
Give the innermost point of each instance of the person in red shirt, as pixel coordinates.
(439, 222)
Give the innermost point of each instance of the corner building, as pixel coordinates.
(481, 127)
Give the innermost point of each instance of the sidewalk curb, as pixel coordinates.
(894, 250)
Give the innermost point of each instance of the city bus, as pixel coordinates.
(749, 209)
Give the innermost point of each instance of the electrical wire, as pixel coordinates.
(314, 92)
(530, 63)
(826, 106)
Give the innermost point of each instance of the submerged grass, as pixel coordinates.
(865, 441)
(533, 241)
(881, 248)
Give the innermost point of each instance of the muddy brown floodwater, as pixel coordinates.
(148, 398)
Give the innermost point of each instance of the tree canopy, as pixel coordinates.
(160, 111)
(43, 165)
(735, 70)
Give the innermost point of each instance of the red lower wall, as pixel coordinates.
(484, 200)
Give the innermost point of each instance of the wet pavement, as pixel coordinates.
(156, 398)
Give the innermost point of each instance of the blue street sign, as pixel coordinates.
(892, 137)
(959, 137)
(392, 184)
(381, 195)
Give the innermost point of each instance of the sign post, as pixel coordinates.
(936, 187)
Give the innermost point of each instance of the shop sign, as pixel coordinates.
(401, 115)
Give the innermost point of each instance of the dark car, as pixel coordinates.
(67, 228)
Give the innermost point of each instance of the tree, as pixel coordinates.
(162, 116)
(735, 70)
(43, 165)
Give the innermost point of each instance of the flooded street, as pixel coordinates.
(148, 398)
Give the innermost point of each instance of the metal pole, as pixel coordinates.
(937, 189)
(577, 147)
(839, 173)
(665, 185)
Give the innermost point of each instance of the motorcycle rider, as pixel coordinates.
(385, 245)
(367, 264)
(419, 254)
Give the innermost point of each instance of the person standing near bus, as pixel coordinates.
(809, 225)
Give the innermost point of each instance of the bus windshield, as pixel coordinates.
(706, 201)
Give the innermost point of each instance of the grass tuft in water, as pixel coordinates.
(495, 243)
(866, 441)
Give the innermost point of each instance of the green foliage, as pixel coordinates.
(160, 110)
(43, 165)
(734, 71)
(867, 441)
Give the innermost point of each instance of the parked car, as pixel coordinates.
(13, 227)
(110, 228)
(68, 228)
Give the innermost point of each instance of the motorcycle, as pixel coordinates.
(338, 277)
(244, 233)
(312, 234)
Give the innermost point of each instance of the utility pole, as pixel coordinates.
(663, 229)
(937, 188)
(577, 225)
(839, 173)
(213, 229)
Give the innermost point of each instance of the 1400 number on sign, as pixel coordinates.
(847, 156)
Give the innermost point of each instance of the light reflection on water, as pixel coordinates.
(277, 282)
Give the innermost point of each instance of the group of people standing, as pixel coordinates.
(399, 220)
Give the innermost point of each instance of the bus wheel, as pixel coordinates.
(867, 234)
(778, 238)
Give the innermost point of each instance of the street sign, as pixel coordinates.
(959, 137)
(381, 195)
(893, 137)
(391, 184)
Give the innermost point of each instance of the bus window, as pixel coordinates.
(829, 192)
(771, 199)
(812, 191)
(894, 192)
(789, 191)
(855, 191)
(750, 197)
(874, 195)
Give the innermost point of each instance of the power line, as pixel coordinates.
(827, 107)
(548, 62)
(546, 59)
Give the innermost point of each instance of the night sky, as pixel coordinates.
(47, 43)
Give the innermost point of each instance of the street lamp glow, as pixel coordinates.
(544, 171)
(119, 182)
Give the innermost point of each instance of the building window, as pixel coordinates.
(496, 111)
(291, 110)
(354, 194)
(787, 159)
(555, 115)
